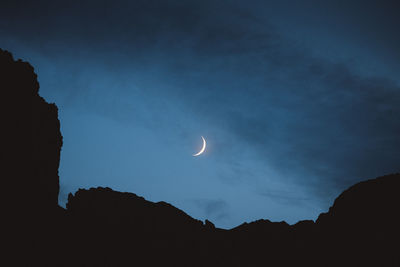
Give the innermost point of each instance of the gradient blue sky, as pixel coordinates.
(297, 99)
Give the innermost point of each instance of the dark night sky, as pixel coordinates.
(297, 99)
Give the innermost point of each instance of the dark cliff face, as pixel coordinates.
(368, 211)
(102, 227)
(31, 147)
(33, 139)
(366, 204)
(363, 224)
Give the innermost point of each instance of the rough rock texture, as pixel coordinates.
(102, 227)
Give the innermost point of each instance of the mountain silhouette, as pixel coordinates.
(103, 227)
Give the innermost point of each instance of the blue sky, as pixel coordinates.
(297, 100)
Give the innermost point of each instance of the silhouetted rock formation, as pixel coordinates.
(31, 148)
(102, 204)
(364, 221)
(102, 227)
(33, 140)
(157, 232)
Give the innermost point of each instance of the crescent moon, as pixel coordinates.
(202, 149)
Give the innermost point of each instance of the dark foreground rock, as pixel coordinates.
(102, 227)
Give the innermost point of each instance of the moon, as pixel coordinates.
(202, 149)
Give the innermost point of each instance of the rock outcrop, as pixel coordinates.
(33, 139)
(30, 183)
(362, 226)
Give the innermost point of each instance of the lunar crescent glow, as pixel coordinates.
(202, 149)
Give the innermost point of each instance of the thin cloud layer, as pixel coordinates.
(274, 85)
